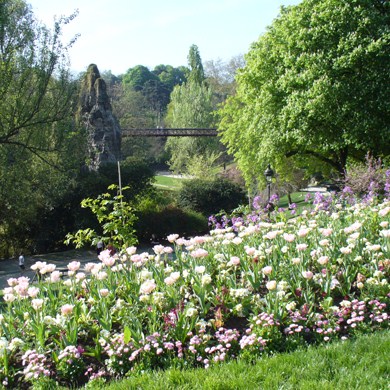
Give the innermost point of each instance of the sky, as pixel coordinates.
(119, 34)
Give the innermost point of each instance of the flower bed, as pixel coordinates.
(243, 290)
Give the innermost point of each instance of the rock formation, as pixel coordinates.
(95, 114)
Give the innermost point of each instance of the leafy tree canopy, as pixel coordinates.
(40, 148)
(315, 88)
(170, 76)
(136, 77)
(36, 89)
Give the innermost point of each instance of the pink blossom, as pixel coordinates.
(353, 228)
(108, 261)
(267, 270)
(271, 285)
(172, 238)
(345, 250)
(104, 292)
(385, 233)
(307, 274)
(323, 260)
(101, 275)
(234, 260)
(148, 286)
(66, 310)
(55, 276)
(74, 266)
(80, 276)
(136, 258)
(158, 249)
(303, 232)
(181, 241)
(21, 289)
(237, 240)
(9, 297)
(33, 292)
(48, 268)
(37, 303)
(250, 251)
(301, 247)
(296, 260)
(131, 250)
(12, 282)
(200, 269)
(198, 253)
(169, 281)
(271, 235)
(289, 237)
(38, 265)
(88, 267)
(96, 268)
(199, 240)
(326, 232)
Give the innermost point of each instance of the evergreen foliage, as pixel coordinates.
(211, 196)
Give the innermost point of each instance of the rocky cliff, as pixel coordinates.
(95, 114)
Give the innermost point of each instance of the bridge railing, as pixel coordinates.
(161, 132)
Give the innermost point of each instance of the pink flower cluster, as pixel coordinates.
(35, 365)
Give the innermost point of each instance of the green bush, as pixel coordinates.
(168, 220)
(49, 229)
(211, 196)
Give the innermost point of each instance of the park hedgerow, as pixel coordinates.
(252, 287)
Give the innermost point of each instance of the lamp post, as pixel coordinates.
(269, 174)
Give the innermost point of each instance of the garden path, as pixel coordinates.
(9, 268)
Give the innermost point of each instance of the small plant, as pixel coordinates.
(116, 217)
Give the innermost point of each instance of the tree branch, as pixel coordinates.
(315, 154)
(35, 152)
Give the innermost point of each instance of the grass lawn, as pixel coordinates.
(359, 364)
(168, 182)
(298, 198)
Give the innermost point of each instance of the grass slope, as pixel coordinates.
(359, 364)
(168, 183)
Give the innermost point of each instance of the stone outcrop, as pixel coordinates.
(95, 114)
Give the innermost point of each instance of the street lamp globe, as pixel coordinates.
(269, 173)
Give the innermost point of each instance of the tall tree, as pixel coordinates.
(36, 90)
(316, 87)
(191, 107)
(196, 67)
(220, 76)
(36, 127)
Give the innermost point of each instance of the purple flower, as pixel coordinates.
(257, 201)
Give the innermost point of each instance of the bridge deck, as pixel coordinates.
(160, 132)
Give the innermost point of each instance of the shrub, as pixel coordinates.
(162, 222)
(367, 179)
(211, 196)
